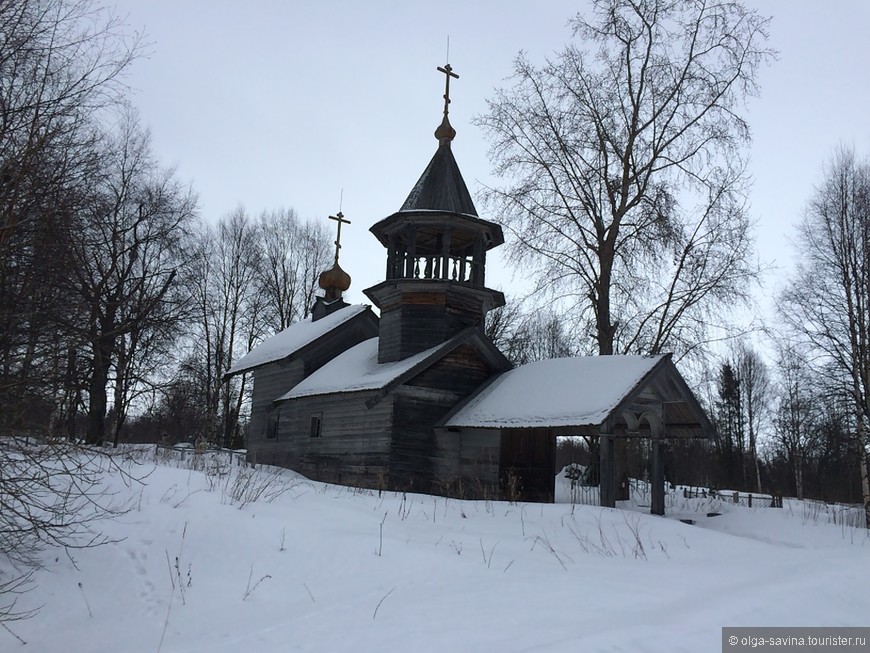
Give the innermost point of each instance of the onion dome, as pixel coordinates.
(445, 132)
(334, 281)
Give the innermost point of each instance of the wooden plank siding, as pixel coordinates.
(467, 463)
(276, 379)
(510, 464)
(527, 464)
(418, 314)
(353, 447)
(351, 333)
(460, 371)
(416, 410)
(409, 329)
(270, 382)
(420, 404)
(374, 440)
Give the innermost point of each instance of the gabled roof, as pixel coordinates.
(441, 187)
(289, 341)
(357, 369)
(584, 391)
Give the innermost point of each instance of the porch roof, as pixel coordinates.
(586, 394)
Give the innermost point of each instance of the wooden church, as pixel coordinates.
(419, 398)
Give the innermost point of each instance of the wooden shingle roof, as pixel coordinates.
(441, 187)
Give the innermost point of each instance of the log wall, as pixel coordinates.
(353, 445)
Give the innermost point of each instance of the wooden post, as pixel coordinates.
(620, 472)
(391, 257)
(477, 261)
(445, 255)
(437, 258)
(411, 256)
(483, 267)
(607, 472)
(657, 477)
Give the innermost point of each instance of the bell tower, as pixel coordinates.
(436, 257)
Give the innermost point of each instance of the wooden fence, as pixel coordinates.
(740, 498)
(237, 457)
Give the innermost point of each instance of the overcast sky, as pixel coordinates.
(285, 104)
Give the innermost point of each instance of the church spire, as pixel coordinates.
(441, 186)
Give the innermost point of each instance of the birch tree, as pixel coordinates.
(623, 169)
(228, 315)
(827, 302)
(755, 381)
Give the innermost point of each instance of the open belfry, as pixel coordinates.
(419, 398)
(436, 257)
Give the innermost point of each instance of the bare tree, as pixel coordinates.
(529, 335)
(250, 280)
(626, 180)
(755, 381)
(61, 62)
(501, 325)
(126, 254)
(228, 314)
(293, 253)
(827, 302)
(61, 68)
(794, 417)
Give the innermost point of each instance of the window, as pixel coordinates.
(316, 422)
(272, 429)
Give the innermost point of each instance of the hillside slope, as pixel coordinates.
(199, 565)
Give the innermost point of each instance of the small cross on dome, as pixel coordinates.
(339, 218)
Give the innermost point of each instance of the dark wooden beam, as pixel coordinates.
(607, 472)
(657, 477)
(411, 256)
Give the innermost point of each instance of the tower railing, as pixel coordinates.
(464, 269)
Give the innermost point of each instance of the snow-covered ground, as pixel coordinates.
(230, 560)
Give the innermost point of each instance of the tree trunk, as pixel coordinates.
(865, 488)
(71, 394)
(120, 387)
(754, 454)
(98, 401)
(865, 473)
(798, 477)
(604, 329)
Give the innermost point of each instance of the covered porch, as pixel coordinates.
(610, 399)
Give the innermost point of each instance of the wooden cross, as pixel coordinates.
(339, 218)
(448, 73)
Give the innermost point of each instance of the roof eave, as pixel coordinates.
(304, 348)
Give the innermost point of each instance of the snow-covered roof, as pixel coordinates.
(294, 338)
(354, 370)
(558, 392)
